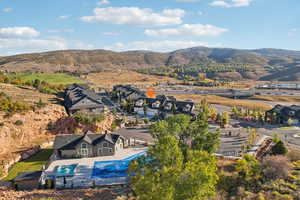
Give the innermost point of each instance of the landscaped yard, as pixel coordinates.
(57, 78)
(36, 162)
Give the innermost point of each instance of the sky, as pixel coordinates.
(159, 25)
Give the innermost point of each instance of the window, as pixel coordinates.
(187, 108)
(292, 113)
(84, 151)
(105, 144)
(168, 106)
(100, 151)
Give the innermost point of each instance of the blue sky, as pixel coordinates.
(160, 25)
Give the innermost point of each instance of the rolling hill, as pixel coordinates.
(266, 64)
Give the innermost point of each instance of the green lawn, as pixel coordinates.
(36, 162)
(57, 78)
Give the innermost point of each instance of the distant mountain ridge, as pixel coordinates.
(269, 64)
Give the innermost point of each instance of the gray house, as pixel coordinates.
(126, 92)
(163, 106)
(88, 145)
(282, 114)
(79, 98)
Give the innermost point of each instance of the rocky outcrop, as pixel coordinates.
(68, 125)
(20, 140)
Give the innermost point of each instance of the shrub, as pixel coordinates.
(293, 155)
(88, 118)
(114, 125)
(19, 123)
(279, 149)
(40, 104)
(146, 120)
(275, 167)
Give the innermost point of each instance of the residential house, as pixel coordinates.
(88, 145)
(283, 114)
(79, 98)
(162, 106)
(177, 107)
(28, 180)
(149, 107)
(126, 92)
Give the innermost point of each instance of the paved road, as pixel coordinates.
(286, 135)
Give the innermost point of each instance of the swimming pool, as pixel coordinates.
(114, 168)
(66, 170)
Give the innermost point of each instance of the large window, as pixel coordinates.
(84, 151)
(105, 144)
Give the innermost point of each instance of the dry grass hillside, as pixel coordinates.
(109, 79)
(81, 61)
(266, 64)
(26, 95)
(223, 101)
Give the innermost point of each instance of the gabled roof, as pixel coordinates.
(180, 105)
(67, 142)
(127, 90)
(280, 108)
(28, 175)
(63, 140)
(77, 93)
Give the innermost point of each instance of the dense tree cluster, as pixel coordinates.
(181, 164)
(42, 86)
(196, 71)
(88, 118)
(10, 106)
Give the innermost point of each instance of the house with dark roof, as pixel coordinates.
(126, 92)
(28, 180)
(162, 106)
(282, 114)
(79, 98)
(178, 107)
(148, 106)
(88, 145)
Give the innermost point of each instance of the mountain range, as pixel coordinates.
(267, 64)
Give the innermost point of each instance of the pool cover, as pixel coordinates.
(114, 168)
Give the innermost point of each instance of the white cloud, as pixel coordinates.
(28, 46)
(64, 17)
(231, 3)
(136, 16)
(187, 30)
(11, 46)
(7, 10)
(16, 32)
(103, 2)
(162, 46)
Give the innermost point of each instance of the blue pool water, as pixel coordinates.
(66, 170)
(114, 168)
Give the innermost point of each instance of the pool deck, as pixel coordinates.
(85, 166)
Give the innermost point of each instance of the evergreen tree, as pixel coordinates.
(279, 148)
